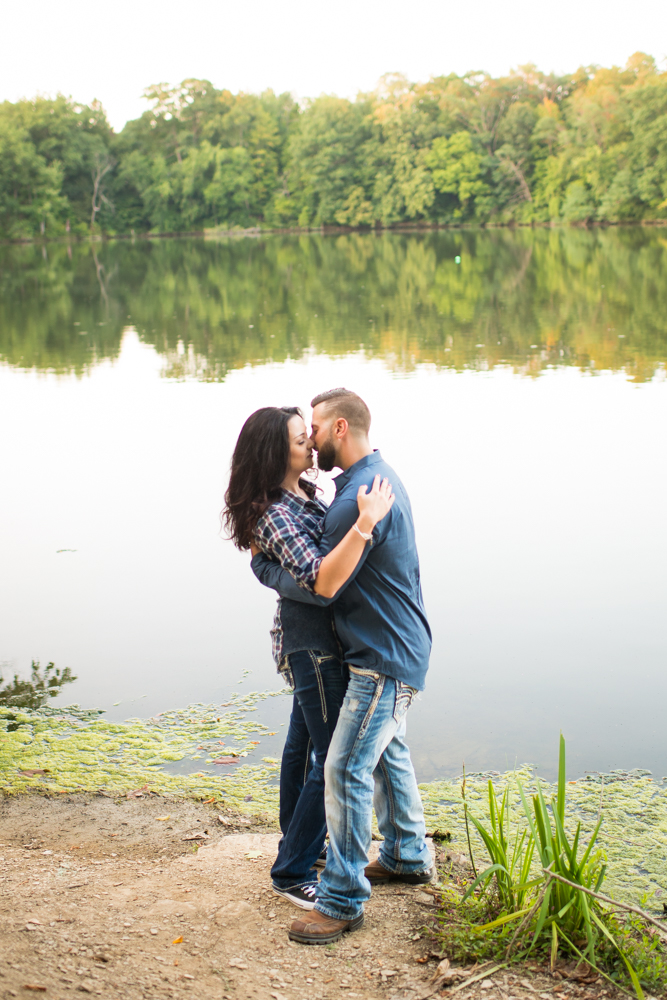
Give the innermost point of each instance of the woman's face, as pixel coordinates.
(301, 446)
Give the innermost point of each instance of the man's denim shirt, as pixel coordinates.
(379, 613)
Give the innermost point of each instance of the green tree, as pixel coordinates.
(30, 189)
(325, 161)
(458, 170)
(526, 147)
(51, 151)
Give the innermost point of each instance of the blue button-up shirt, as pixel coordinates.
(379, 613)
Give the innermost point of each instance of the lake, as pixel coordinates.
(517, 384)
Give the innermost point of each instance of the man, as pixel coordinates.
(381, 622)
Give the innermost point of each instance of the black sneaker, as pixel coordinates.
(322, 860)
(303, 898)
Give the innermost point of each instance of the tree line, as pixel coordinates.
(526, 148)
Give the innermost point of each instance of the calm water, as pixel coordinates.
(521, 395)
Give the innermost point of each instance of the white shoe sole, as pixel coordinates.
(301, 903)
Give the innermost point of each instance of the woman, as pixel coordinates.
(268, 505)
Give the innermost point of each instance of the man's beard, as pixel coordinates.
(326, 455)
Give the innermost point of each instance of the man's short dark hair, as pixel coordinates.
(345, 403)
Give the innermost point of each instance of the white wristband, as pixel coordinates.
(366, 538)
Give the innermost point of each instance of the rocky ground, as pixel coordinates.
(109, 897)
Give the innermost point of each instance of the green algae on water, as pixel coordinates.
(633, 833)
(74, 750)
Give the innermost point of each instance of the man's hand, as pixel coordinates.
(375, 505)
(254, 550)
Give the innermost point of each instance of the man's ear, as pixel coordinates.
(340, 428)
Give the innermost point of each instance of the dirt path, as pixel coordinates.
(105, 896)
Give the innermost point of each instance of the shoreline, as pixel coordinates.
(58, 752)
(120, 880)
(257, 231)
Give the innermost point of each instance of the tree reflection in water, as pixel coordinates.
(34, 693)
(528, 299)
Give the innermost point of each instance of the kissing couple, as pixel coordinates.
(351, 637)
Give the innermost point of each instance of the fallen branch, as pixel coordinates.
(608, 899)
(482, 975)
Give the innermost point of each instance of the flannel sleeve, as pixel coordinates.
(339, 520)
(282, 539)
(272, 575)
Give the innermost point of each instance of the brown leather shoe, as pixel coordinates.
(317, 928)
(376, 873)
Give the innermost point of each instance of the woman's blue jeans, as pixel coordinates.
(319, 688)
(369, 765)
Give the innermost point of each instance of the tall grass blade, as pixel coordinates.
(465, 816)
(593, 966)
(482, 877)
(561, 780)
(543, 914)
(554, 945)
(504, 920)
(492, 805)
(629, 966)
(591, 843)
(527, 811)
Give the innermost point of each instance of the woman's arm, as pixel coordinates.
(327, 574)
(272, 575)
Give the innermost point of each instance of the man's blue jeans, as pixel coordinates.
(369, 764)
(319, 688)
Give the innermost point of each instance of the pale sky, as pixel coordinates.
(113, 51)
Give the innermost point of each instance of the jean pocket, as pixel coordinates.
(374, 702)
(317, 662)
(371, 675)
(403, 700)
(361, 702)
(327, 659)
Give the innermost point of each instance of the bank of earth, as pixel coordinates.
(106, 895)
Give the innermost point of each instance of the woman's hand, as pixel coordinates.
(375, 505)
(254, 550)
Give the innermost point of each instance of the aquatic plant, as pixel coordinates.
(511, 858)
(634, 833)
(547, 882)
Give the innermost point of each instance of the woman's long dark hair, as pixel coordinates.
(259, 465)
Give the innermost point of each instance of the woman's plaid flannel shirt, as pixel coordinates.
(290, 531)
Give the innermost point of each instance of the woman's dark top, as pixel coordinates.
(280, 534)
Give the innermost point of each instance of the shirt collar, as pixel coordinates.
(291, 499)
(344, 477)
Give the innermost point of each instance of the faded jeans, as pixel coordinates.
(369, 764)
(319, 688)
